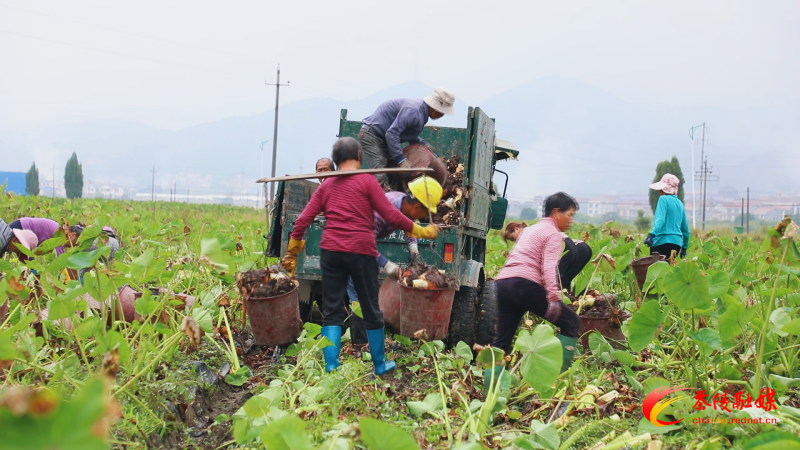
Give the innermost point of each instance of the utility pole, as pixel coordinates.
(705, 172)
(694, 197)
(743, 213)
(748, 210)
(277, 85)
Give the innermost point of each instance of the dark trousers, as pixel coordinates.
(337, 267)
(573, 261)
(666, 250)
(515, 297)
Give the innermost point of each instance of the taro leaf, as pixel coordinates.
(644, 324)
(470, 446)
(82, 260)
(88, 328)
(541, 436)
(463, 351)
(431, 348)
(655, 274)
(624, 358)
(720, 282)
(795, 250)
(632, 378)
(60, 309)
(622, 249)
(605, 263)
(356, 308)
(146, 268)
(653, 383)
(778, 320)
(706, 339)
(380, 435)
(788, 382)
(8, 350)
(50, 245)
(240, 377)
(733, 321)
(793, 327)
(145, 305)
(729, 372)
(58, 264)
(645, 426)
(600, 347)
(89, 234)
(739, 265)
(203, 318)
(485, 358)
(259, 405)
(432, 402)
(288, 433)
(687, 287)
(403, 340)
(211, 251)
(312, 329)
(99, 286)
(772, 440)
(542, 357)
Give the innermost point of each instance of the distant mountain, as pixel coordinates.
(571, 136)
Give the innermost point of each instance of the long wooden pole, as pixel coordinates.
(344, 173)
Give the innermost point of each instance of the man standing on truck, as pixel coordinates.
(397, 121)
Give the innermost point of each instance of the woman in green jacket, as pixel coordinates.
(670, 227)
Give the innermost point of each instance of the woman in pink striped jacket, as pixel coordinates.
(529, 281)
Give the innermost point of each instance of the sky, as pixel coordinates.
(174, 64)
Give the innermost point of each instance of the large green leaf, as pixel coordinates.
(687, 287)
(541, 357)
(720, 282)
(541, 436)
(773, 440)
(432, 403)
(644, 324)
(380, 435)
(463, 350)
(739, 264)
(288, 433)
(600, 347)
(793, 327)
(706, 339)
(146, 267)
(733, 321)
(655, 273)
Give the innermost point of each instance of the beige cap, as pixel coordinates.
(441, 100)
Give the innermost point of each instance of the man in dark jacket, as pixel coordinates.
(398, 121)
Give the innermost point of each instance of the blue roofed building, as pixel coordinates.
(13, 182)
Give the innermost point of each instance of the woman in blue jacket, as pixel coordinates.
(670, 227)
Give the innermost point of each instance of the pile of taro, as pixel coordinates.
(264, 283)
(421, 276)
(453, 193)
(594, 305)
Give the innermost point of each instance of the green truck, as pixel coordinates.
(460, 249)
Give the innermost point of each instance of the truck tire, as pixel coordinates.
(486, 316)
(462, 318)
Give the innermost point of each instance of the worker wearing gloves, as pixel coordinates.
(670, 228)
(424, 194)
(348, 249)
(529, 281)
(397, 121)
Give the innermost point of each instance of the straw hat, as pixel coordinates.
(441, 100)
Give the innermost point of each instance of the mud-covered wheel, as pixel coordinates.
(462, 318)
(486, 315)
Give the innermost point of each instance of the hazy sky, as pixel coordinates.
(177, 63)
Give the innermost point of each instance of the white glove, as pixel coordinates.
(391, 269)
(413, 249)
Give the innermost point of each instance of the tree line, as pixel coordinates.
(73, 178)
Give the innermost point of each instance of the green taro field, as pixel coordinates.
(722, 325)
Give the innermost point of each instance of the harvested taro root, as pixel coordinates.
(421, 276)
(594, 305)
(264, 283)
(453, 193)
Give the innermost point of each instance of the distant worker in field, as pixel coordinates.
(348, 249)
(13, 238)
(324, 165)
(44, 229)
(397, 121)
(577, 254)
(529, 280)
(670, 228)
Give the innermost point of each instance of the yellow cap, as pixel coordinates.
(427, 190)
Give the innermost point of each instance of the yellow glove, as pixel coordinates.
(289, 261)
(428, 232)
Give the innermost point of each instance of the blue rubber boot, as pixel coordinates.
(331, 352)
(378, 351)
